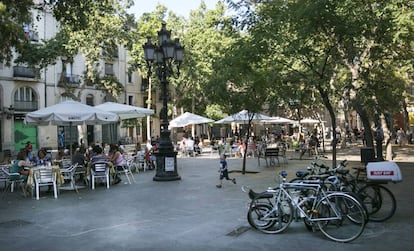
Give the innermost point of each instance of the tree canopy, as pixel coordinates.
(292, 55)
(13, 15)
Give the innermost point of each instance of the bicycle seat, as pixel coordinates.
(302, 174)
(263, 195)
(342, 171)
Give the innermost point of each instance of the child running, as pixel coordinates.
(223, 171)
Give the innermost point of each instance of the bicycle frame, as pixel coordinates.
(309, 214)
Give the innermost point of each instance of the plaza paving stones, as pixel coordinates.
(189, 214)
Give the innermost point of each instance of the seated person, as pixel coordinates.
(43, 159)
(149, 159)
(29, 152)
(189, 146)
(198, 147)
(61, 153)
(19, 165)
(98, 155)
(118, 161)
(79, 156)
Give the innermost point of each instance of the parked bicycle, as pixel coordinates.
(378, 200)
(338, 215)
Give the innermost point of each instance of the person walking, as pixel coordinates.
(223, 171)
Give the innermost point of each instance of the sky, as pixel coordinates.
(180, 7)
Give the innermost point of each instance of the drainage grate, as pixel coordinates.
(238, 231)
(14, 223)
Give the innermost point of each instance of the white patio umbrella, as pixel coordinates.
(125, 111)
(242, 117)
(309, 121)
(70, 113)
(278, 120)
(189, 118)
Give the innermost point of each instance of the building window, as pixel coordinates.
(129, 75)
(30, 33)
(25, 99)
(89, 100)
(130, 100)
(109, 69)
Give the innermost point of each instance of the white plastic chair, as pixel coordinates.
(69, 175)
(45, 176)
(100, 170)
(126, 169)
(66, 163)
(10, 179)
(139, 162)
(3, 176)
(80, 171)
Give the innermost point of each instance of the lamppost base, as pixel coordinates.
(166, 169)
(166, 178)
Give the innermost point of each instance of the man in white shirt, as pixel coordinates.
(189, 146)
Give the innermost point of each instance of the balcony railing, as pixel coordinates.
(69, 80)
(25, 105)
(25, 72)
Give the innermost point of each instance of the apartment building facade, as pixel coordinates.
(24, 89)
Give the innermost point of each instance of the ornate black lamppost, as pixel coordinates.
(166, 57)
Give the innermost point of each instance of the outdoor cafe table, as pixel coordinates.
(55, 169)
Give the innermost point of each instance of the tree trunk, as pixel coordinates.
(245, 140)
(367, 126)
(328, 105)
(387, 138)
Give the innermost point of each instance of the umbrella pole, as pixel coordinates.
(70, 139)
(193, 130)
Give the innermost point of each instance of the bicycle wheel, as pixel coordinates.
(272, 221)
(256, 215)
(356, 196)
(340, 217)
(379, 202)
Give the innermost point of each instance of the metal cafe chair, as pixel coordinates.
(10, 179)
(100, 170)
(45, 176)
(69, 175)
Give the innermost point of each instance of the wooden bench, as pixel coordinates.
(269, 153)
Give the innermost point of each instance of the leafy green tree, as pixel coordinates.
(93, 28)
(293, 60)
(147, 27)
(208, 34)
(215, 112)
(13, 15)
(366, 41)
(239, 82)
(336, 47)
